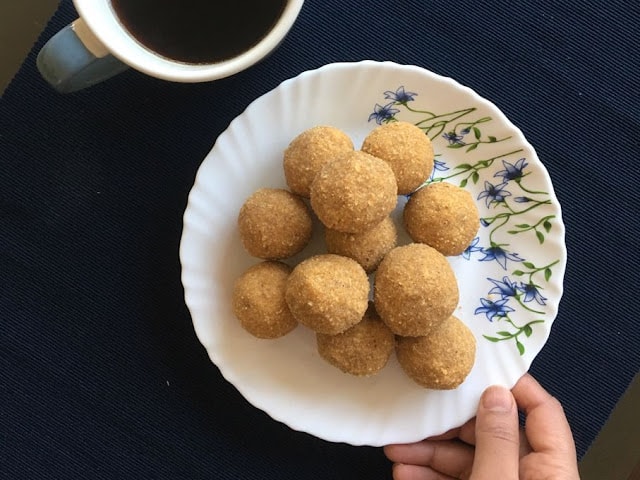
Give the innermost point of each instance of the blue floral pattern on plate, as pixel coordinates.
(504, 198)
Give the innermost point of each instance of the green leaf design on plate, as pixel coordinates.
(507, 197)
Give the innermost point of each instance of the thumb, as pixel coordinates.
(497, 436)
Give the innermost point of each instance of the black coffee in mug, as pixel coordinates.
(199, 31)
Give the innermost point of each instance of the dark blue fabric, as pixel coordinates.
(101, 375)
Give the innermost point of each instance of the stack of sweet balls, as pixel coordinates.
(353, 193)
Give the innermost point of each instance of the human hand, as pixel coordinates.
(491, 446)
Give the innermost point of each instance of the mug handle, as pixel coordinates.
(74, 59)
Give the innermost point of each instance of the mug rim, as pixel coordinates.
(130, 51)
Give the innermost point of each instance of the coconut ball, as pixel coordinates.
(274, 224)
(408, 151)
(443, 216)
(368, 248)
(441, 360)
(328, 293)
(363, 349)
(308, 152)
(415, 289)
(354, 193)
(258, 300)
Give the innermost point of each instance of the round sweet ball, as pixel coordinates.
(441, 360)
(259, 303)
(415, 290)
(354, 192)
(309, 151)
(362, 350)
(274, 224)
(443, 216)
(406, 148)
(368, 248)
(328, 293)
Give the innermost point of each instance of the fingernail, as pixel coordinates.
(497, 399)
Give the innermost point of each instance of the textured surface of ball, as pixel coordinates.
(415, 289)
(258, 300)
(274, 224)
(441, 360)
(408, 151)
(368, 248)
(354, 192)
(328, 293)
(362, 350)
(443, 216)
(308, 152)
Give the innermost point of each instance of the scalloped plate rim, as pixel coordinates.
(228, 374)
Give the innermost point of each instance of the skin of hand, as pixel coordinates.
(491, 446)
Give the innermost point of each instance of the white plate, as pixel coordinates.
(520, 244)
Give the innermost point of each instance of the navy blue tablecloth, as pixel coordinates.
(101, 375)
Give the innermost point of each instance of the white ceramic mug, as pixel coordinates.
(97, 46)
